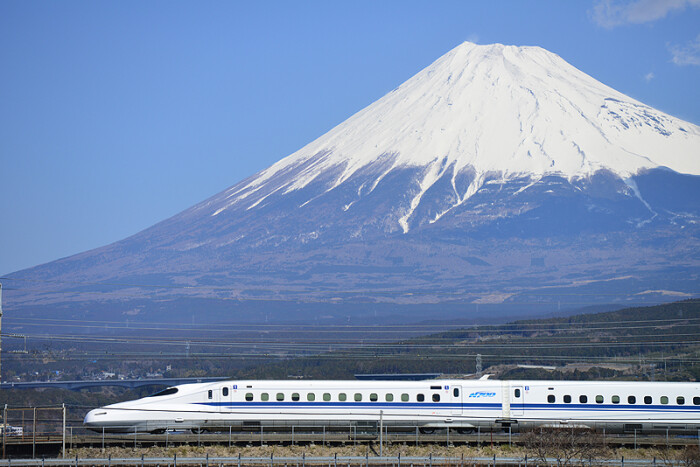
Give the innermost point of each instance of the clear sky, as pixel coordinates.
(117, 115)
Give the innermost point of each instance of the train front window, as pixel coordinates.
(166, 392)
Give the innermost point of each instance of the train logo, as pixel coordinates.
(482, 394)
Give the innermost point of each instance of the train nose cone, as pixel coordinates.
(95, 418)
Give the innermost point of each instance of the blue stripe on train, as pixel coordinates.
(465, 407)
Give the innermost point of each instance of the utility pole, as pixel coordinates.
(0, 332)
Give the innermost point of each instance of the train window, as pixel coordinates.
(680, 400)
(310, 396)
(436, 397)
(373, 397)
(326, 396)
(420, 398)
(209, 394)
(567, 399)
(647, 399)
(264, 397)
(342, 397)
(551, 398)
(599, 399)
(615, 399)
(224, 391)
(249, 396)
(389, 397)
(631, 400)
(404, 398)
(295, 396)
(664, 399)
(358, 397)
(517, 393)
(696, 400)
(583, 399)
(280, 396)
(455, 392)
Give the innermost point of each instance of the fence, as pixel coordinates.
(50, 425)
(35, 424)
(335, 461)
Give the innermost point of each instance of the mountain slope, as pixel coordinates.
(496, 174)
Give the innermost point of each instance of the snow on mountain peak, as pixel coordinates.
(488, 109)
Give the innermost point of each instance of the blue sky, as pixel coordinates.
(117, 115)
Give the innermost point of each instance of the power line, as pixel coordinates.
(305, 290)
(220, 327)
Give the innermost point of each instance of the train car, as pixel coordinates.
(461, 404)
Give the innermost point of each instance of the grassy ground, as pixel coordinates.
(468, 452)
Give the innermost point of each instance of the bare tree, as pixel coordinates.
(690, 456)
(566, 446)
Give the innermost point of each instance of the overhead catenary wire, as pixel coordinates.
(494, 358)
(432, 343)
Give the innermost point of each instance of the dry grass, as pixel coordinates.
(315, 450)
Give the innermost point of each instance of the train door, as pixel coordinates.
(225, 399)
(517, 401)
(456, 406)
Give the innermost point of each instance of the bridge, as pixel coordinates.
(124, 383)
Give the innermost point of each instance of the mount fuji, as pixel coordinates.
(498, 176)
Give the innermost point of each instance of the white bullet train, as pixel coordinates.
(461, 404)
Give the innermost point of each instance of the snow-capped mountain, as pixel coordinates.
(480, 111)
(494, 172)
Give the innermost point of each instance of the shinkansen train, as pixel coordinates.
(460, 404)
